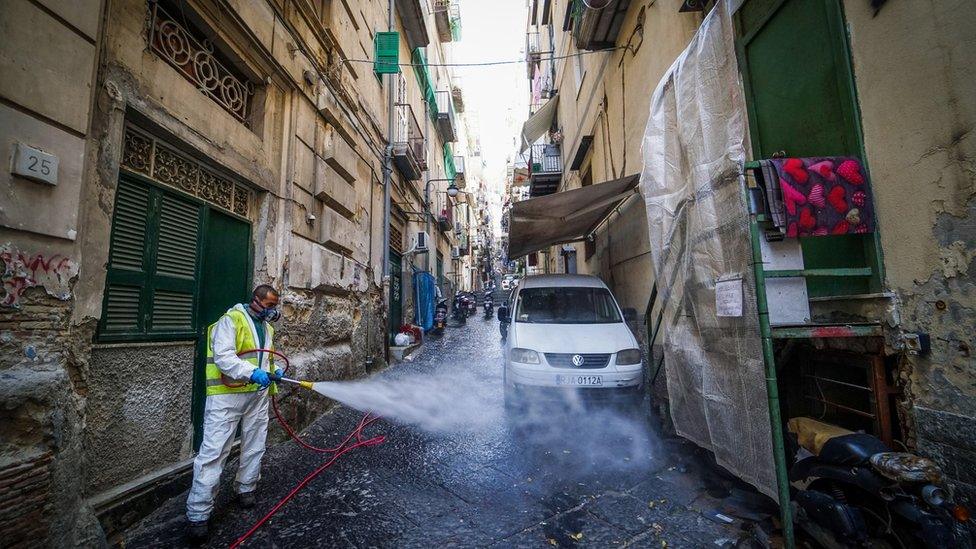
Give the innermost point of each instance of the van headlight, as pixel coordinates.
(628, 356)
(524, 356)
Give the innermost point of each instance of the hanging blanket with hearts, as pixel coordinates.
(823, 196)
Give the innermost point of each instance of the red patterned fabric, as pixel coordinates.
(824, 196)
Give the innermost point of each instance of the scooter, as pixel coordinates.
(489, 306)
(852, 490)
(440, 317)
(503, 320)
(459, 309)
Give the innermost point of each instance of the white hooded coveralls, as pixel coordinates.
(220, 419)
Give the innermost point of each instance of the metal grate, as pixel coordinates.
(590, 361)
(144, 154)
(195, 58)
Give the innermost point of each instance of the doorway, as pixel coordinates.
(225, 281)
(396, 293)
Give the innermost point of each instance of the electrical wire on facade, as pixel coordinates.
(486, 63)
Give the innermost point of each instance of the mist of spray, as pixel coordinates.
(440, 402)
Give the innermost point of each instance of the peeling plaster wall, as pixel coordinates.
(138, 415)
(915, 69)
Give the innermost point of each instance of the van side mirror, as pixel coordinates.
(630, 314)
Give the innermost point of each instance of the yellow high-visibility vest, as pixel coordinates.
(220, 384)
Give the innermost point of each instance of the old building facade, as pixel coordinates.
(907, 111)
(189, 151)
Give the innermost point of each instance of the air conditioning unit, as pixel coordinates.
(455, 252)
(421, 242)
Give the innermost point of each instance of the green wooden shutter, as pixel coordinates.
(127, 268)
(151, 283)
(449, 169)
(387, 58)
(174, 277)
(425, 81)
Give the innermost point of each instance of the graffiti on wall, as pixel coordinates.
(21, 271)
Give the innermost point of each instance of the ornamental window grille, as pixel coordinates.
(146, 155)
(197, 59)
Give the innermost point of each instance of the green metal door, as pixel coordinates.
(396, 293)
(225, 281)
(801, 100)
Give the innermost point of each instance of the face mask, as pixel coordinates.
(267, 314)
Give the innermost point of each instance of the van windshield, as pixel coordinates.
(567, 306)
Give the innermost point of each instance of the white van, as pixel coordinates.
(567, 331)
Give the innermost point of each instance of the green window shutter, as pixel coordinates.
(449, 167)
(127, 266)
(174, 278)
(151, 283)
(425, 81)
(387, 57)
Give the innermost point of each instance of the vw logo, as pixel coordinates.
(578, 360)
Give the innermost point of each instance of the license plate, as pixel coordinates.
(580, 381)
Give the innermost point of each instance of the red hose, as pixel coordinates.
(336, 452)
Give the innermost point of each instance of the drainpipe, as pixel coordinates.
(387, 176)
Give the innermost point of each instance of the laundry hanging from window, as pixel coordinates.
(818, 196)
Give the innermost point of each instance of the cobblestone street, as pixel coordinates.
(595, 477)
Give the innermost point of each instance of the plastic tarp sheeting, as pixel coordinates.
(693, 150)
(567, 216)
(425, 288)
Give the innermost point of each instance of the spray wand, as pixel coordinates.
(352, 441)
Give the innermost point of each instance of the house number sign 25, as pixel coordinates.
(35, 164)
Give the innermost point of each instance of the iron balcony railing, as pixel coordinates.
(447, 19)
(459, 167)
(545, 159)
(445, 116)
(409, 145)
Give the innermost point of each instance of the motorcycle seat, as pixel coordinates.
(812, 434)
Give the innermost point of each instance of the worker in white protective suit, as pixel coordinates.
(236, 382)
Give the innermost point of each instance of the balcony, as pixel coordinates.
(447, 18)
(597, 23)
(445, 221)
(458, 97)
(459, 170)
(545, 169)
(409, 147)
(446, 122)
(414, 26)
(532, 52)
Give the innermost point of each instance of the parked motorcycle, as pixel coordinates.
(470, 302)
(852, 490)
(440, 317)
(459, 309)
(489, 306)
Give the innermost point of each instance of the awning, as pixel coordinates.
(539, 123)
(564, 217)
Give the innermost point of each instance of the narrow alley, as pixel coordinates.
(597, 477)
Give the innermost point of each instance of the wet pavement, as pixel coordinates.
(588, 476)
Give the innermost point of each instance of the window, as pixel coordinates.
(589, 248)
(151, 284)
(566, 306)
(579, 70)
(180, 42)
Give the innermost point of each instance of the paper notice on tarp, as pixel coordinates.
(728, 296)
